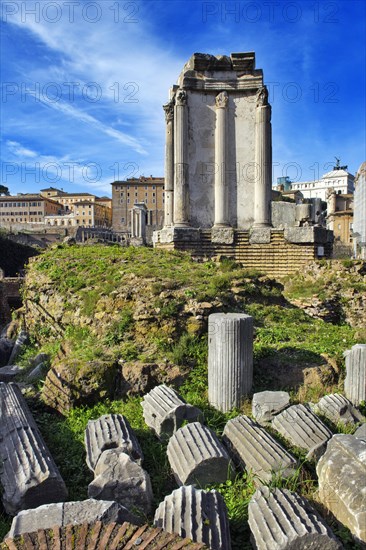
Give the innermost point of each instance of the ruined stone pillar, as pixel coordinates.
(181, 196)
(263, 160)
(169, 164)
(230, 359)
(221, 190)
(355, 382)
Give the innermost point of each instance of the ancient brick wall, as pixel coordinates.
(279, 257)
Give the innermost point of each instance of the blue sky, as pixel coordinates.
(83, 83)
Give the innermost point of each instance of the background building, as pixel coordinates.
(338, 179)
(340, 219)
(125, 194)
(23, 209)
(80, 209)
(359, 224)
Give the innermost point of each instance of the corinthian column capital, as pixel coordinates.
(222, 100)
(181, 98)
(169, 111)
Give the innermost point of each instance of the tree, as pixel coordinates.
(4, 190)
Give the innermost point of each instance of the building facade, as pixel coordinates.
(126, 194)
(80, 209)
(340, 217)
(27, 209)
(338, 179)
(359, 224)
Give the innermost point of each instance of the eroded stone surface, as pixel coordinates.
(342, 474)
(338, 408)
(355, 381)
(195, 514)
(256, 450)
(165, 411)
(110, 431)
(299, 425)
(361, 431)
(197, 457)
(64, 513)
(281, 520)
(266, 404)
(119, 478)
(28, 475)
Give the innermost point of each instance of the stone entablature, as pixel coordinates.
(218, 145)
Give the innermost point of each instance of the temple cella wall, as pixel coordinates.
(218, 145)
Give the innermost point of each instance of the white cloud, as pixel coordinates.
(18, 150)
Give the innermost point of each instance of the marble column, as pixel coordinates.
(230, 359)
(263, 160)
(221, 188)
(169, 164)
(181, 194)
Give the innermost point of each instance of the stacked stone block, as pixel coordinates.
(110, 431)
(115, 456)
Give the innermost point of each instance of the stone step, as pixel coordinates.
(342, 474)
(282, 520)
(110, 431)
(198, 515)
(302, 428)
(256, 450)
(197, 457)
(97, 536)
(338, 408)
(165, 411)
(355, 381)
(230, 359)
(28, 475)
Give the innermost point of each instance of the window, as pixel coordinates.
(128, 201)
(122, 193)
(153, 201)
(135, 201)
(122, 220)
(145, 194)
(135, 194)
(153, 186)
(153, 194)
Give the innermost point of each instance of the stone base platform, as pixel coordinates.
(275, 252)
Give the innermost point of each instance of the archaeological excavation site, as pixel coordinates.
(204, 390)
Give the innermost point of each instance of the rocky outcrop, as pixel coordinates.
(72, 382)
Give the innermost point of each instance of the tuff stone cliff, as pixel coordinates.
(118, 321)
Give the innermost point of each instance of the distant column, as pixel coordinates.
(169, 164)
(263, 160)
(221, 191)
(181, 195)
(230, 359)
